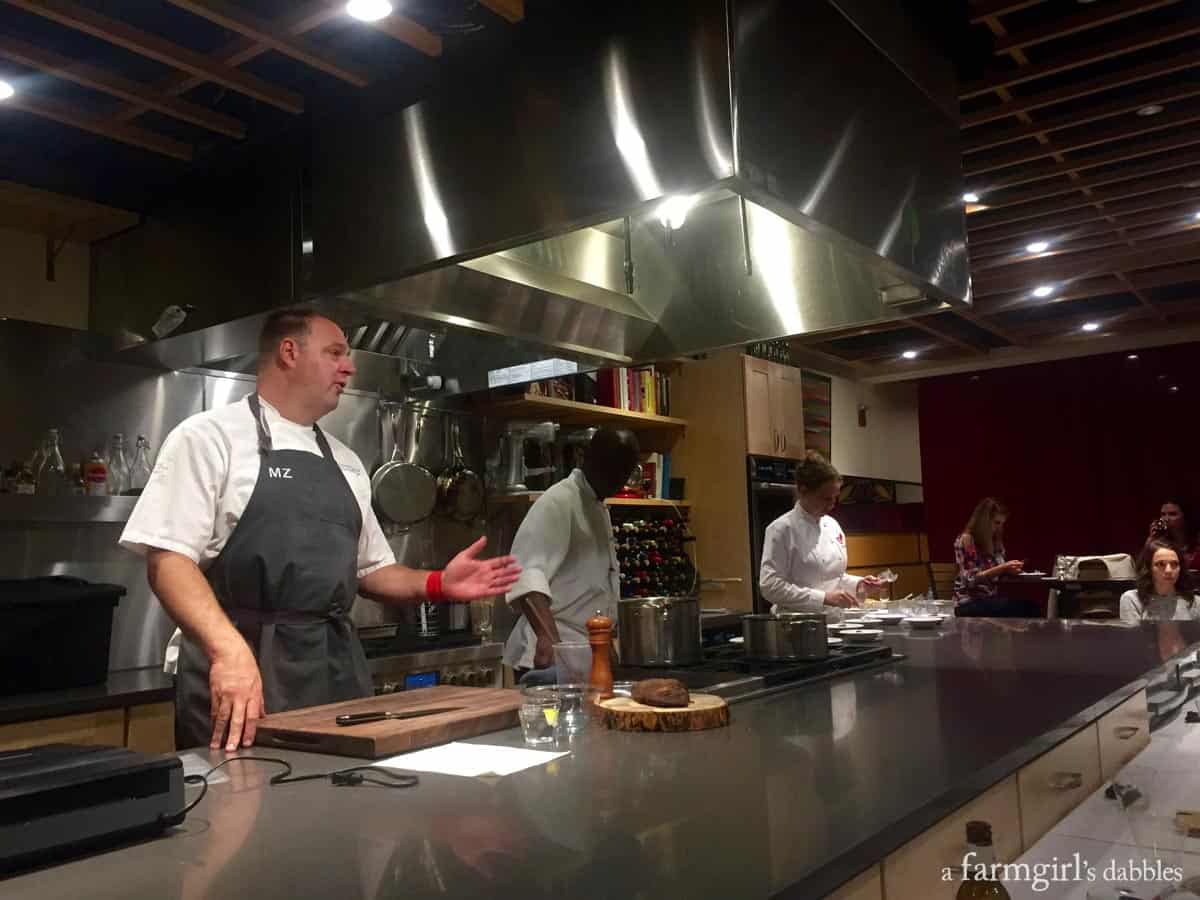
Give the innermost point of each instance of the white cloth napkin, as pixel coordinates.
(469, 760)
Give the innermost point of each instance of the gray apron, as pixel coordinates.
(286, 578)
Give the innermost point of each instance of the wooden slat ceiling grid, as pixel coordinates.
(252, 36)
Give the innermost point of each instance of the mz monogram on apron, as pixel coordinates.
(286, 578)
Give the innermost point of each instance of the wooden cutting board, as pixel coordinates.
(703, 711)
(314, 728)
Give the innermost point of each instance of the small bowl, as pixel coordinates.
(862, 635)
(924, 622)
(855, 623)
(887, 618)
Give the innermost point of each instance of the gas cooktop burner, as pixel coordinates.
(726, 671)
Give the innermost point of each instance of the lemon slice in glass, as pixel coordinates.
(551, 717)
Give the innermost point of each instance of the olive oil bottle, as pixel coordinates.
(977, 881)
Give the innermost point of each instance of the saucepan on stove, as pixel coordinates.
(660, 631)
(787, 636)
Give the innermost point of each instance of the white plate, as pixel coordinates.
(887, 618)
(863, 635)
(924, 621)
(855, 623)
(833, 642)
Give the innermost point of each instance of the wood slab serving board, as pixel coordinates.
(703, 711)
(314, 728)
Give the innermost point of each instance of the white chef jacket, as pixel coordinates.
(566, 550)
(1158, 609)
(204, 476)
(803, 557)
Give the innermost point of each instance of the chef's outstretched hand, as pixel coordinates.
(237, 698)
(467, 577)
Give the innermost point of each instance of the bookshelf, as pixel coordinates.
(655, 433)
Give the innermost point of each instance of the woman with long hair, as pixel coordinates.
(1173, 527)
(1164, 587)
(979, 552)
(804, 552)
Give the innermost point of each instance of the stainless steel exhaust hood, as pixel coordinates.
(695, 175)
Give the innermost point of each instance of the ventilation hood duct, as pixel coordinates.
(686, 177)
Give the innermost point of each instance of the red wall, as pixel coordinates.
(1083, 451)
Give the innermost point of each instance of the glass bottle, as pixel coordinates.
(979, 882)
(118, 465)
(95, 475)
(51, 474)
(25, 481)
(75, 483)
(140, 468)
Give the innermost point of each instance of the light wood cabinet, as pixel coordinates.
(104, 727)
(915, 870)
(865, 886)
(1123, 734)
(1056, 782)
(774, 408)
(150, 728)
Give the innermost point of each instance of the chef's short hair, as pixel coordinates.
(292, 322)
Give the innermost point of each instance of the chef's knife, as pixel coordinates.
(361, 718)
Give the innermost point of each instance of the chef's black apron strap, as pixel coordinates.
(287, 578)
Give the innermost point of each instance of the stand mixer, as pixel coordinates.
(511, 467)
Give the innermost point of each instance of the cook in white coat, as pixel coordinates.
(804, 552)
(566, 549)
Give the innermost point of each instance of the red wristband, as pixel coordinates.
(433, 586)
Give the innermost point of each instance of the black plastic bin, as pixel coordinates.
(54, 633)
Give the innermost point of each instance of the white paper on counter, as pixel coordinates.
(470, 760)
(194, 764)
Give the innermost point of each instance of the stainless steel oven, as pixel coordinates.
(772, 487)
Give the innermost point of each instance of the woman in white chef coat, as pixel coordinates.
(804, 552)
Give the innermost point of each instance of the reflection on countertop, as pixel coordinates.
(803, 790)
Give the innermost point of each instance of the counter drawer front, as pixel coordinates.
(1124, 733)
(1056, 782)
(915, 870)
(867, 885)
(151, 728)
(105, 727)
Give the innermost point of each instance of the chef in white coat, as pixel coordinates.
(569, 561)
(804, 552)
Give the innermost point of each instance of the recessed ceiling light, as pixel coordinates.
(1174, 389)
(970, 197)
(1043, 290)
(1132, 356)
(909, 354)
(1090, 326)
(1162, 377)
(369, 10)
(6, 90)
(1150, 109)
(1038, 247)
(1196, 216)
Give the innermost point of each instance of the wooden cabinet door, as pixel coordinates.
(1124, 733)
(761, 437)
(787, 407)
(1056, 782)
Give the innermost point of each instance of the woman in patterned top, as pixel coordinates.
(979, 552)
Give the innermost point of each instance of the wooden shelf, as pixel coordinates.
(530, 496)
(571, 412)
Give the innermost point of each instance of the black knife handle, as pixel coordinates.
(360, 718)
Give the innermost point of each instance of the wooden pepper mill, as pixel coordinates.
(599, 629)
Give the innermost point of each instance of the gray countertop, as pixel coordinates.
(803, 790)
(130, 687)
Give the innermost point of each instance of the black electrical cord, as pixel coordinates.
(351, 777)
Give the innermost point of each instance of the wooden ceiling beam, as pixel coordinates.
(118, 86)
(1175, 216)
(1116, 235)
(1165, 277)
(1110, 82)
(1105, 14)
(270, 35)
(403, 29)
(1172, 181)
(1102, 286)
(509, 10)
(1142, 297)
(974, 317)
(1187, 114)
(154, 47)
(1088, 55)
(74, 116)
(944, 335)
(1137, 211)
(1119, 107)
(821, 337)
(984, 9)
(1088, 265)
(1167, 163)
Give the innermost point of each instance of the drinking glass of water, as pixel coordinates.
(541, 714)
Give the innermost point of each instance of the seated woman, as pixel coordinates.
(1172, 526)
(1164, 588)
(979, 552)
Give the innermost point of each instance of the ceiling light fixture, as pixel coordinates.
(6, 90)
(1132, 356)
(673, 211)
(369, 10)
(970, 197)
(909, 354)
(1174, 389)
(1195, 216)
(1090, 326)
(1150, 109)
(1038, 247)
(1043, 290)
